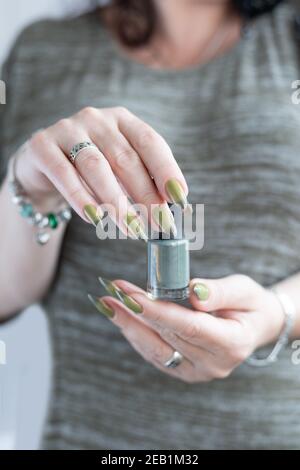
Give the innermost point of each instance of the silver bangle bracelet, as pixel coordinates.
(289, 311)
(43, 223)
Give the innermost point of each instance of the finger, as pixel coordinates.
(153, 349)
(52, 162)
(130, 170)
(203, 329)
(195, 354)
(190, 351)
(236, 292)
(207, 364)
(156, 156)
(146, 341)
(165, 333)
(95, 170)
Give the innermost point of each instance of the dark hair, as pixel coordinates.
(134, 21)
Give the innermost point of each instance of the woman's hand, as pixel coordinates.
(246, 316)
(130, 159)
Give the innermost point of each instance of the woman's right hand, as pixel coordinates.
(130, 159)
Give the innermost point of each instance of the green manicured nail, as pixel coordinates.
(119, 294)
(135, 226)
(101, 306)
(93, 214)
(130, 302)
(164, 219)
(109, 286)
(201, 291)
(176, 193)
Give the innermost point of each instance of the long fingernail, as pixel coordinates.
(201, 291)
(176, 193)
(93, 214)
(164, 219)
(119, 294)
(135, 226)
(109, 286)
(101, 306)
(129, 302)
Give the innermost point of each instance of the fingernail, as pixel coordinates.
(164, 219)
(101, 306)
(129, 302)
(109, 286)
(176, 193)
(93, 214)
(135, 226)
(201, 291)
(119, 294)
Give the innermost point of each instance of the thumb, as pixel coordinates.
(236, 292)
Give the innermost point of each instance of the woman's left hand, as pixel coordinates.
(245, 317)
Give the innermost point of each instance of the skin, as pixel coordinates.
(247, 315)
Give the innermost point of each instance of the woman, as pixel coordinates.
(139, 78)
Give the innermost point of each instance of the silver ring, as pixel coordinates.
(174, 361)
(78, 148)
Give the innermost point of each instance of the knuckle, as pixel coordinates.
(90, 160)
(63, 125)
(156, 317)
(222, 373)
(60, 167)
(168, 335)
(74, 193)
(149, 197)
(220, 295)
(121, 111)
(125, 158)
(38, 140)
(147, 137)
(191, 331)
(88, 112)
(157, 353)
(247, 281)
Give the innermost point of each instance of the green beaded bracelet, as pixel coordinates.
(43, 223)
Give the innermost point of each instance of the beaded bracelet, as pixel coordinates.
(43, 223)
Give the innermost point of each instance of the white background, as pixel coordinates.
(14, 14)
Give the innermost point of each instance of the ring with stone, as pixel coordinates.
(79, 148)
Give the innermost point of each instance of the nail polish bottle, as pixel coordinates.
(168, 269)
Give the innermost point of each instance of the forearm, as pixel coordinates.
(291, 287)
(26, 267)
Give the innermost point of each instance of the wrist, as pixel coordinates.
(289, 313)
(44, 215)
(44, 200)
(272, 320)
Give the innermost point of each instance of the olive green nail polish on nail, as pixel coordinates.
(101, 306)
(176, 193)
(135, 226)
(130, 302)
(119, 294)
(92, 214)
(109, 286)
(201, 291)
(164, 219)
